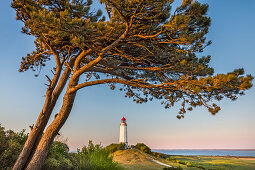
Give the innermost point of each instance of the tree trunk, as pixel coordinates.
(43, 118)
(41, 152)
(34, 134)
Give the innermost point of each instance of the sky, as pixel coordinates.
(97, 110)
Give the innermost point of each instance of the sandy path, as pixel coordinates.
(160, 163)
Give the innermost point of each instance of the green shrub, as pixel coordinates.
(95, 157)
(142, 147)
(11, 144)
(115, 147)
(59, 157)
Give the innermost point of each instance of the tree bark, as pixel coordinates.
(43, 118)
(41, 152)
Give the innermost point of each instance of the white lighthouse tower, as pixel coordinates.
(123, 132)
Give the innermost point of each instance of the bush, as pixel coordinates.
(95, 157)
(142, 147)
(115, 147)
(11, 144)
(59, 157)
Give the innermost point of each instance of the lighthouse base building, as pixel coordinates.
(123, 132)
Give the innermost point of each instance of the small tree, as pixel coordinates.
(142, 46)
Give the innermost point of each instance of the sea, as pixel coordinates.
(208, 152)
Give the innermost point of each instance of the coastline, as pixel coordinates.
(238, 153)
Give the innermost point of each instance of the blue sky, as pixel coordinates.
(97, 110)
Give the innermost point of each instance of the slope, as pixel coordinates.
(134, 159)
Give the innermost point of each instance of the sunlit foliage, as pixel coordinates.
(94, 157)
(145, 45)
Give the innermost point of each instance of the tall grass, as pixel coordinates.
(95, 157)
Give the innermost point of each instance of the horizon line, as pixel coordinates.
(207, 149)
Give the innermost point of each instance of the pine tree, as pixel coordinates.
(145, 46)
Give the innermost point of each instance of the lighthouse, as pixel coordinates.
(123, 132)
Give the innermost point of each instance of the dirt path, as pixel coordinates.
(160, 163)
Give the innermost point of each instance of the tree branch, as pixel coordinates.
(134, 83)
(100, 57)
(107, 71)
(62, 81)
(79, 58)
(58, 66)
(118, 10)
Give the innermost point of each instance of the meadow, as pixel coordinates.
(214, 162)
(134, 159)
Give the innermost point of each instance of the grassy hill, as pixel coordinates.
(133, 159)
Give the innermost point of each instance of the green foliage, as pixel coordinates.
(115, 147)
(142, 147)
(160, 155)
(11, 144)
(89, 157)
(58, 157)
(149, 49)
(94, 157)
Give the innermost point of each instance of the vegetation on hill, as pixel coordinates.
(95, 157)
(91, 157)
(135, 159)
(115, 147)
(142, 147)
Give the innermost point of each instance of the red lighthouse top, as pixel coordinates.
(123, 120)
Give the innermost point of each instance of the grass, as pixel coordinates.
(132, 159)
(135, 160)
(213, 162)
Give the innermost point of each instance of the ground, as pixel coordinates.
(132, 159)
(135, 160)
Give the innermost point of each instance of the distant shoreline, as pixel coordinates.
(211, 149)
(215, 156)
(244, 153)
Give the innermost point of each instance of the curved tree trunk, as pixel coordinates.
(32, 138)
(34, 134)
(41, 152)
(43, 118)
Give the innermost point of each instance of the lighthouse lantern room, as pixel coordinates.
(123, 132)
